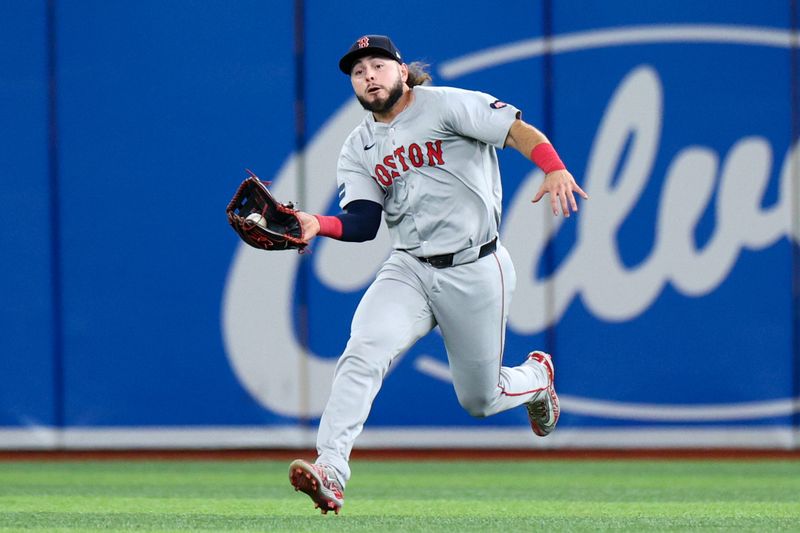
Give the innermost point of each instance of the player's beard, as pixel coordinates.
(382, 106)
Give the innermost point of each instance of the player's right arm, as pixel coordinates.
(360, 198)
(359, 222)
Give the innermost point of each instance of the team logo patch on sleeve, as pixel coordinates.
(497, 104)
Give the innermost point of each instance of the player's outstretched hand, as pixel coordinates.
(309, 224)
(562, 188)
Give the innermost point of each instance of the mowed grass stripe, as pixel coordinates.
(55, 522)
(404, 496)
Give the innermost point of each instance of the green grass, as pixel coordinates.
(511, 496)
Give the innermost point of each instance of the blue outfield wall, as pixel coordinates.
(134, 317)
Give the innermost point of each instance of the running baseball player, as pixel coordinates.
(425, 159)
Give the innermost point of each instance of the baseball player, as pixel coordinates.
(424, 158)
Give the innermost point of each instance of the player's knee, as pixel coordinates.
(477, 406)
(360, 364)
(366, 356)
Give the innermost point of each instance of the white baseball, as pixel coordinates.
(257, 219)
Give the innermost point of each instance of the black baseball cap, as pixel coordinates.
(368, 45)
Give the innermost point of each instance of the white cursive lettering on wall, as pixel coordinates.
(593, 268)
(287, 379)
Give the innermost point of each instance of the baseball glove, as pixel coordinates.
(263, 222)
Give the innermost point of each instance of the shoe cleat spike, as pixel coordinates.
(319, 483)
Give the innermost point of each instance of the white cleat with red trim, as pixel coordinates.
(543, 409)
(319, 482)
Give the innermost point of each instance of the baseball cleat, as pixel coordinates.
(320, 483)
(543, 409)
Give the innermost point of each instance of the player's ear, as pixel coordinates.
(404, 72)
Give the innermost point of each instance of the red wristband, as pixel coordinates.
(329, 226)
(546, 158)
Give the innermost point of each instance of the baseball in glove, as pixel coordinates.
(263, 222)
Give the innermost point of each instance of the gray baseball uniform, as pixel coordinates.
(434, 170)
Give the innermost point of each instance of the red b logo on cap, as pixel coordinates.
(363, 42)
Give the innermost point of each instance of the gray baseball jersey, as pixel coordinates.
(433, 169)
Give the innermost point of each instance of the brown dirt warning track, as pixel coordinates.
(403, 454)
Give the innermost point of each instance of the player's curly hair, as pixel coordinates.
(417, 73)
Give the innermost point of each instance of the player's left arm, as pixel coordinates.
(558, 181)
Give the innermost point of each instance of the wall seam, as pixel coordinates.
(548, 126)
(794, 208)
(304, 275)
(54, 175)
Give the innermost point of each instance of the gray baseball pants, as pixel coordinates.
(408, 298)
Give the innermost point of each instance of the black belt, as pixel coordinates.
(446, 260)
